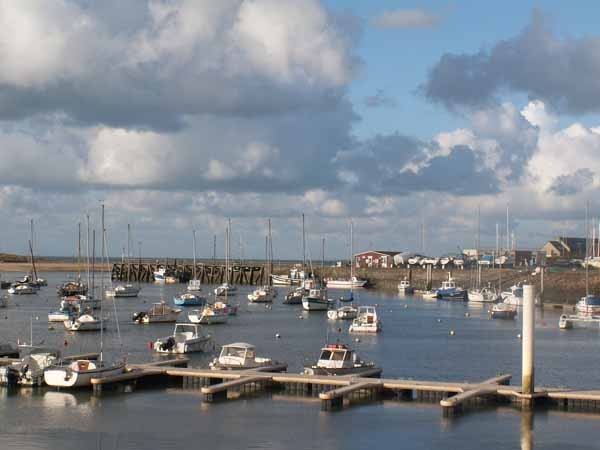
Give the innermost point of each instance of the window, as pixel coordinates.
(325, 354)
(337, 356)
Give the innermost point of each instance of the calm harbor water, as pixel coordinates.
(415, 343)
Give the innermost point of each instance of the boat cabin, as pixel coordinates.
(404, 283)
(237, 354)
(336, 356)
(367, 314)
(449, 284)
(185, 330)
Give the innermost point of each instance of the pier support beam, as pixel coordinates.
(528, 335)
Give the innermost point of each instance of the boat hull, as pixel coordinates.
(66, 378)
(196, 345)
(314, 370)
(312, 304)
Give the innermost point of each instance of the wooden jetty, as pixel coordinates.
(206, 273)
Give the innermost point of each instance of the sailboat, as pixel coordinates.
(225, 288)
(194, 284)
(353, 282)
(79, 373)
(126, 290)
(265, 293)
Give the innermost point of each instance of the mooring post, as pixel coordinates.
(528, 335)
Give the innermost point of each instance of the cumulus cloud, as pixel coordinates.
(405, 18)
(562, 72)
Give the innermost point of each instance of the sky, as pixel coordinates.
(401, 116)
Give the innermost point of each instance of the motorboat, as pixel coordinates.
(430, 295)
(503, 311)
(366, 321)
(189, 299)
(66, 312)
(124, 290)
(316, 300)
(568, 321)
(158, 313)
(338, 359)
(344, 313)
(404, 287)
(160, 274)
(240, 356)
(29, 371)
(225, 289)
(186, 338)
(207, 316)
(351, 283)
(194, 285)
(225, 308)
(70, 288)
(294, 297)
(514, 296)
(483, 295)
(347, 298)
(264, 294)
(590, 304)
(22, 289)
(85, 322)
(79, 373)
(449, 290)
(295, 277)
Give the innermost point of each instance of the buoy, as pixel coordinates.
(339, 330)
(277, 335)
(356, 340)
(300, 317)
(150, 345)
(519, 336)
(439, 321)
(65, 343)
(405, 306)
(452, 332)
(467, 314)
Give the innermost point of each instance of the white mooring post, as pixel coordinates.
(528, 338)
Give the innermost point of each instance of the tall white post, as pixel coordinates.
(528, 338)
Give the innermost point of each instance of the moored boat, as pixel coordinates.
(29, 371)
(158, 313)
(344, 313)
(589, 304)
(225, 308)
(514, 296)
(353, 282)
(85, 322)
(225, 289)
(294, 297)
(503, 311)
(338, 359)
(404, 287)
(124, 290)
(450, 291)
(240, 356)
(22, 289)
(484, 295)
(264, 294)
(189, 299)
(79, 373)
(70, 288)
(316, 300)
(208, 316)
(366, 321)
(186, 338)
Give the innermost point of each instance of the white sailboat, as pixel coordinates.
(353, 282)
(80, 373)
(194, 284)
(225, 289)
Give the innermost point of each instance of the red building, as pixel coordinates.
(374, 258)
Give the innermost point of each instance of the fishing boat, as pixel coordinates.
(240, 356)
(160, 274)
(338, 359)
(514, 296)
(186, 338)
(343, 313)
(589, 304)
(225, 308)
(22, 289)
(29, 371)
(85, 322)
(70, 288)
(208, 316)
(503, 311)
(404, 287)
(79, 373)
(124, 290)
(294, 297)
(316, 300)
(366, 321)
(264, 294)
(484, 295)
(158, 313)
(189, 299)
(80, 302)
(194, 285)
(295, 277)
(449, 290)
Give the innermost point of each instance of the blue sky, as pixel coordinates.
(182, 113)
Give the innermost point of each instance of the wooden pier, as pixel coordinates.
(206, 273)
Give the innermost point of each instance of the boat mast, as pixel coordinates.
(270, 253)
(35, 277)
(194, 268)
(87, 247)
(478, 246)
(102, 288)
(93, 263)
(587, 260)
(303, 245)
(78, 251)
(128, 252)
(351, 257)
